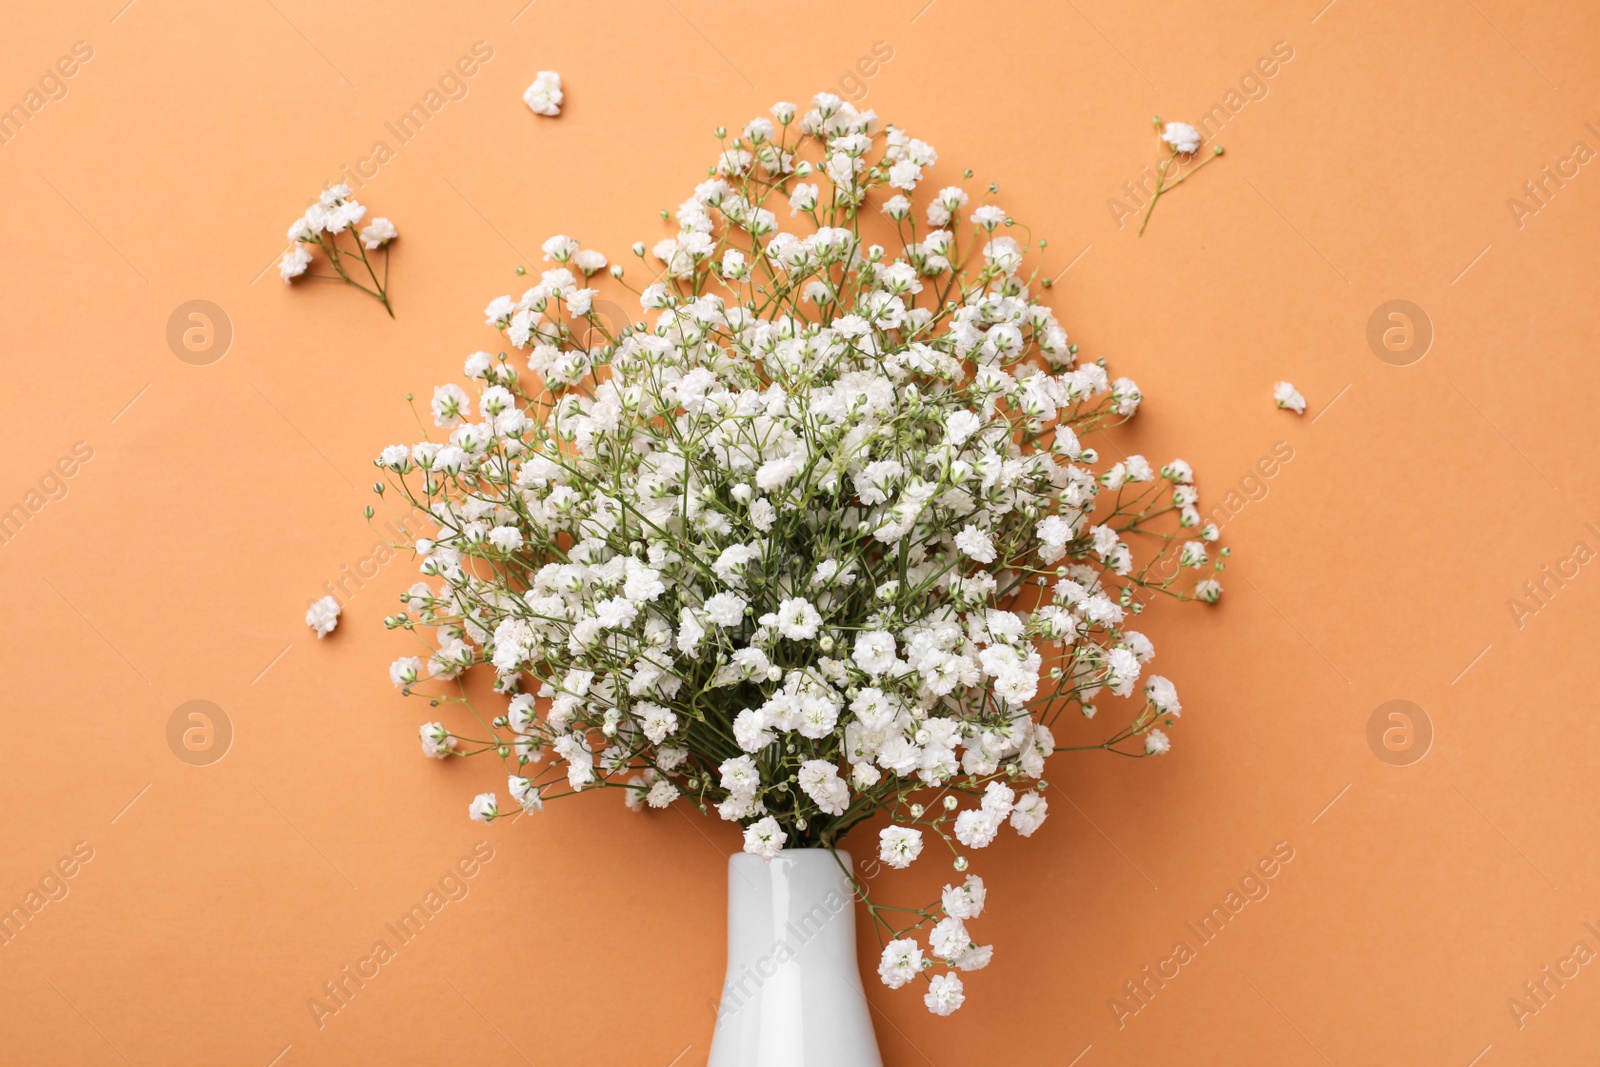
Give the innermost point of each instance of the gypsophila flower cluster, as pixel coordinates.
(817, 539)
(336, 212)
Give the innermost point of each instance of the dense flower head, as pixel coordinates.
(815, 537)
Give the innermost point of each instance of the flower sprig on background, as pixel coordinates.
(795, 545)
(336, 213)
(1181, 142)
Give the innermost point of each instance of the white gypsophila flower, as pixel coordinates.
(966, 900)
(405, 670)
(323, 616)
(343, 215)
(949, 938)
(875, 652)
(1184, 138)
(1164, 695)
(1156, 743)
(436, 740)
(661, 794)
(807, 534)
(377, 233)
(901, 961)
(975, 958)
(1029, 813)
(975, 544)
(525, 793)
(976, 829)
(544, 96)
(484, 808)
(558, 249)
(1287, 396)
(294, 262)
(820, 781)
(450, 405)
(798, 620)
(899, 845)
(764, 838)
(944, 994)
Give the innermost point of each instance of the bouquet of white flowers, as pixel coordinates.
(816, 539)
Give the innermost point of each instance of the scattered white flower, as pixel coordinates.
(323, 616)
(544, 96)
(1288, 397)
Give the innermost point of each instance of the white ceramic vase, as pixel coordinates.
(792, 996)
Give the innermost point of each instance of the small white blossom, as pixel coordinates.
(436, 740)
(405, 670)
(323, 616)
(484, 807)
(901, 961)
(899, 845)
(976, 544)
(944, 994)
(798, 619)
(764, 838)
(544, 96)
(966, 900)
(1183, 138)
(1029, 813)
(294, 262)
(1163, 695)
(976, 829)
(378, 232)
(1287, 396)
(525, 793)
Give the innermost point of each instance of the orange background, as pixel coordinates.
(1378, 566)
